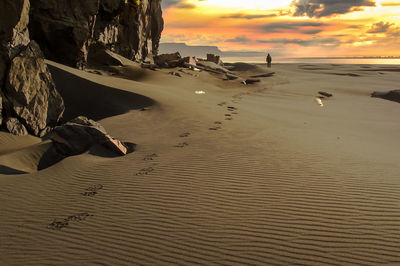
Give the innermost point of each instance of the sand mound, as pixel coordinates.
(29, 159)
(93, 100)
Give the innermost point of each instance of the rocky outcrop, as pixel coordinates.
(28, 92)
(65, 29)
(79, 134)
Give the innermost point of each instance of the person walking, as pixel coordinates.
(269, 60)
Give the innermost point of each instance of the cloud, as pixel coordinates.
(238, 39)
(168, 3)
(325, 8)
(185, 6)
(291, 26)
(331, 42)
(380, 27)
(248, 16)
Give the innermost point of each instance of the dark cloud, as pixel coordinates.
(311, 32)
(185, 6)
(307, 42)
(168, 3)
(380, 27)
(291, 26)
(238, 39)
(247, 16)
(324, 8)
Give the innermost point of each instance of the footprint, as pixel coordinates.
(214, 128)
(59, 224)
(181, 145)
(229, 118)
(145, 171)
(91, 191)
(231, 108)
(221, 104)
(150, 157)
(228, 115)
(218, 123)
(184, 135)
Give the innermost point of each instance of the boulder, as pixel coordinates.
(30, 93)
(393, 95)
(15, 127)
(168, 60)
(80, 134)
(14, 35)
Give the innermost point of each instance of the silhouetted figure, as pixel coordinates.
(269, 60)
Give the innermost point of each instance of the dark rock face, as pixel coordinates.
(79, 134)
(65, 29)
(27, 92)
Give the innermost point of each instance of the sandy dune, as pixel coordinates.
(241, 175)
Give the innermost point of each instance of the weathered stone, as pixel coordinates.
(190, 60)
(252, 81)
(214, 58)
(168, 60)
(81, 133)
(393, 95)
(98, 55)
(66, 28)
(326, 94)
(231, 76)
(15, 127)
(14, 35)
(30, 93)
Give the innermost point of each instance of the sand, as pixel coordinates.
(256, 174)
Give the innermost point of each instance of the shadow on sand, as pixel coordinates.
(95, 101)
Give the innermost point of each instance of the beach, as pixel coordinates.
(223, 173)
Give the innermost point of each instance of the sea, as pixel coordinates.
(372, 61)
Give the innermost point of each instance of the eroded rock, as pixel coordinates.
(80, 134)
(30, 93)
(15, 127)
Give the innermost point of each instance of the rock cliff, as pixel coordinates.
(65, 29)
(29, 100)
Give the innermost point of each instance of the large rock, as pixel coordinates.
(168, 60)
(30, 93)
(65, 29)
(14, 35)
(78, 135)
(393, 95)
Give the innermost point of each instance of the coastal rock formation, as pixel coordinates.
(28, 92)
(393, 95)
(65, 29)
(81, 133)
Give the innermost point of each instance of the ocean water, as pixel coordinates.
(385, 61)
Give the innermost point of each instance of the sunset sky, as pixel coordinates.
(297, 28)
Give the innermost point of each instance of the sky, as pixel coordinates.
(296, 28)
